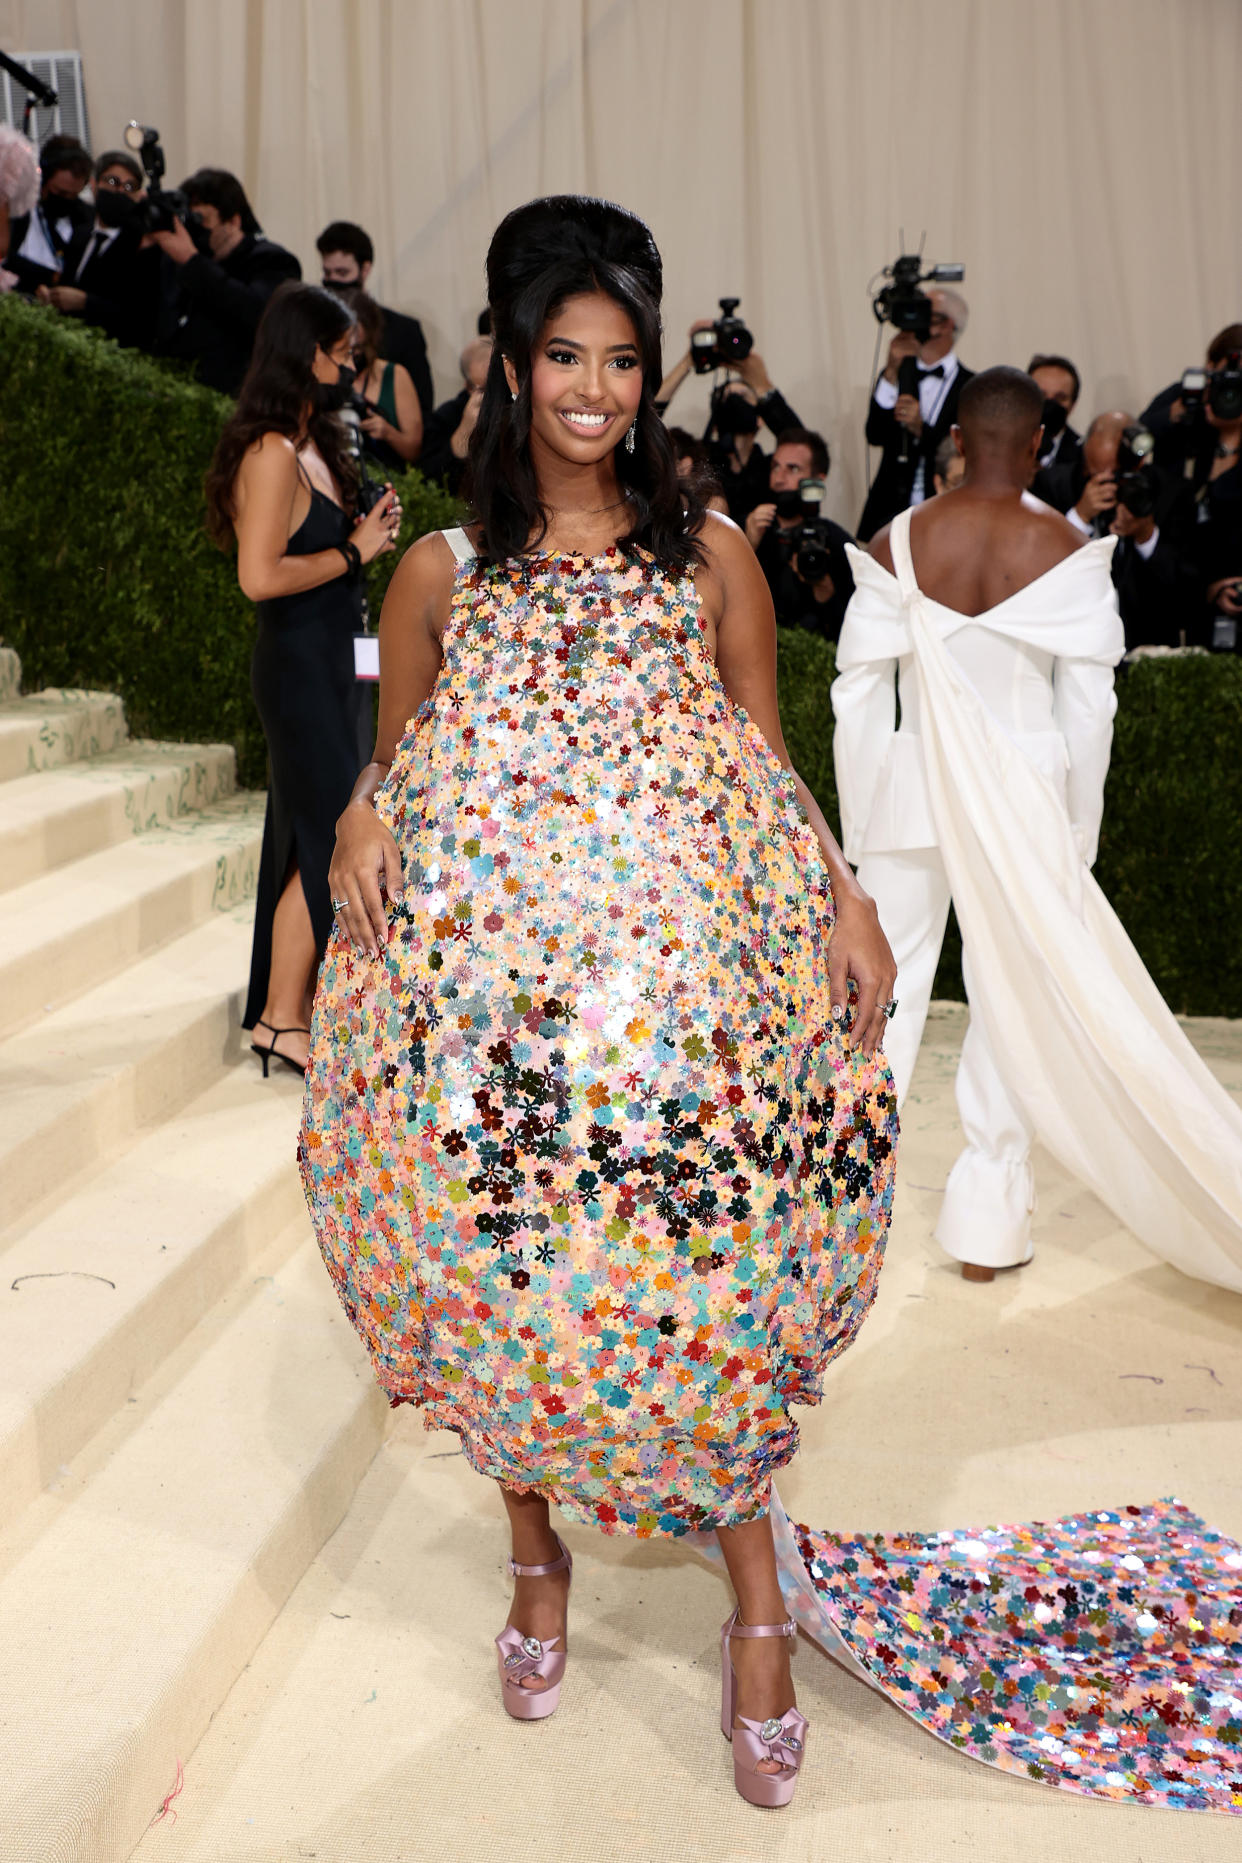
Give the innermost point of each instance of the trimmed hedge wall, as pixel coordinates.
(107, 577)
(1170, 856)
(107, 580)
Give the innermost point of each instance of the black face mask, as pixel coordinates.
(1055, 418)
(331, 397)
(340, 285)
(788, 503)
(735, 414)
(115, 209)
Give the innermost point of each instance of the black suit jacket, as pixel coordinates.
(121, 282)
(437, 459)
(1067, 450)
(894, 481)
(30, 275)
(1159, 595)
(210, 309)
(404, 342)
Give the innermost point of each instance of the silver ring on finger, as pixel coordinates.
(339, 905)
(889, 1008)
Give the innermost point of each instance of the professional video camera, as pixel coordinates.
(1136, 486)
(901, 303)
(1220, 388)
(728, 341)
(808, 541)
(163, 205)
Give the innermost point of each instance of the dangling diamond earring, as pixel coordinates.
(513, 394)
(629, 438)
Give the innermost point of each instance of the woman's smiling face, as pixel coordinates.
(586, 379)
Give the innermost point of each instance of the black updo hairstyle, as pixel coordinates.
(541, 254)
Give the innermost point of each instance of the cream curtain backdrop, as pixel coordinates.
(1081, 157)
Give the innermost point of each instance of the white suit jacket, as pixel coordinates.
(1041, 662)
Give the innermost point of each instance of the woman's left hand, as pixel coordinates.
(860, 952)
(377, 428)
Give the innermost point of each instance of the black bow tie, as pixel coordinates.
(937, 370)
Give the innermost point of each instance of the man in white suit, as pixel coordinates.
(1045, 674)
(999, 629)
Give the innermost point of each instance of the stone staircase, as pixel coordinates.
(184, 1412)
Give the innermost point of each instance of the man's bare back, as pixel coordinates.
(972, 549)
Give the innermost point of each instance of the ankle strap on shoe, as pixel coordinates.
(739, 1629)
(517, 1570)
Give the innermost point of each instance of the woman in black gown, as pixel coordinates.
(282, 482)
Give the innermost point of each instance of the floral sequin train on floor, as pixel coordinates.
(603, 1190)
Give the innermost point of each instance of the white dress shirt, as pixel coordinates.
(101, 238)
(932, 392)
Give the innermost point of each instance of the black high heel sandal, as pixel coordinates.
(267, 1055)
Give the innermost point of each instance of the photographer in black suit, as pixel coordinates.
(1198, 428)
(807, 570)
(908, 427)
(1154, 568)
(110, 276)
(1061, 386)
(347, 256)
(743, 401)
(446, 439)
(217, 280)
(39, 240)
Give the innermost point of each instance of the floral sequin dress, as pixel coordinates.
(599, 1183)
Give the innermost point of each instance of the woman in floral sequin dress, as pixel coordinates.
(598, 1138)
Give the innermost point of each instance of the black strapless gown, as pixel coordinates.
(302, 678)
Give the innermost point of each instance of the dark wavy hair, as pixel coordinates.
(274, 396)
(542, 254)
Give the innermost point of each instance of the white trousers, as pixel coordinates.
(990, 1194)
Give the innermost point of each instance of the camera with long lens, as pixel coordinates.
(1136, 485)
(808, 541)
(902, 303)
(1220, 389)
(1224, 388)
(727, 342)
(163, 205)
(370, 490)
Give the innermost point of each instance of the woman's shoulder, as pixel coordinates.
(424, 576)
(722, 542)
(275, 451)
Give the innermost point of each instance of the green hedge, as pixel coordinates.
(1170, 850)
(106, 579)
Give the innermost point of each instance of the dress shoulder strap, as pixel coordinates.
(899, 544)
(459, 544)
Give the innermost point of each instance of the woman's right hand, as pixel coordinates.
(377, 533)
(364, 859)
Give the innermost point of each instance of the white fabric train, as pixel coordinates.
(1081, 1037)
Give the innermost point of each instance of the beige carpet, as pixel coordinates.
(367, 1730)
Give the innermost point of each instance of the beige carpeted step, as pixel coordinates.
(52, 817)
(61, 934)
(56, 727)
(106, 1283)
(126, 1621)
(76, 1086)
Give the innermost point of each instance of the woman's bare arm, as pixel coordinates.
(264, 494)
(408, 440)
(737, 597)
(411, 621)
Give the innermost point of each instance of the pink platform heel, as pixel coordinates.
(782, 1740)
(518, 1657)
